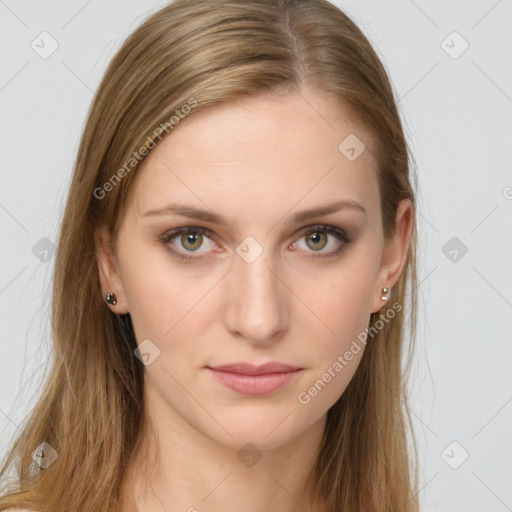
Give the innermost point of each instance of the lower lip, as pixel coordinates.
(254, 384)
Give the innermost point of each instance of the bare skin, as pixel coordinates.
(256, 162)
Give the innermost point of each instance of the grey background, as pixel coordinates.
(457, 114)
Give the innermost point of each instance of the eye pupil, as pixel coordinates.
(317, 237)
(190, 238)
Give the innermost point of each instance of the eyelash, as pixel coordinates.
(340, 234)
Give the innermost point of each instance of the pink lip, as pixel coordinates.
(255, 380)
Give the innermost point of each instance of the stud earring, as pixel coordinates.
(110, 298)
(384, 295)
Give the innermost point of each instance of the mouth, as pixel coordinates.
(253, 380)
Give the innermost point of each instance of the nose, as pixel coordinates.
(257, 300)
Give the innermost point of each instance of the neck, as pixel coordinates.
(177, 467)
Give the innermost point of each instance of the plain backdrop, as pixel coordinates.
(450, 64)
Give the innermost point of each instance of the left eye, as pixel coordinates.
(317, 238)
(191, 239)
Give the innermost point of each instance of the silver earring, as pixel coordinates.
(110, 298)
(384, 295)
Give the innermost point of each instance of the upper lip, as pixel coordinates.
(250, 369)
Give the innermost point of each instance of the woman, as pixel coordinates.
(230, 280)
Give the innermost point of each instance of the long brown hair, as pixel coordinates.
(199, 53)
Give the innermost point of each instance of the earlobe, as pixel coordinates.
(108, 272)
(395, 255)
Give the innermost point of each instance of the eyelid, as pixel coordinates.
(328, 228)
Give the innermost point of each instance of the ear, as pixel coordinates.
(395, 253)
(108, 268)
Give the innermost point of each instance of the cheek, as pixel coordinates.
(160, 296)
(344, 297)
(344, 305)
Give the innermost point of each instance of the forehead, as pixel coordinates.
(268, 151)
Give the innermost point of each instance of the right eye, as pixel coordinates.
(189, 239)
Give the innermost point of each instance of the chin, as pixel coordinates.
(265, 431)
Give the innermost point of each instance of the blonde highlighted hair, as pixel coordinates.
(91, 406)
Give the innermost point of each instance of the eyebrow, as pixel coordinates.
(208, 216)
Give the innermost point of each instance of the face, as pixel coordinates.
(223, 257)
